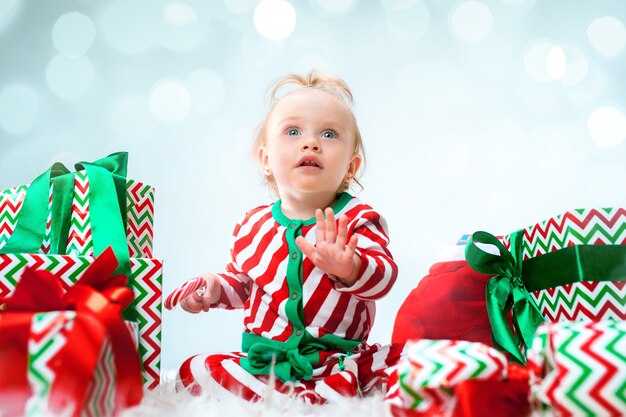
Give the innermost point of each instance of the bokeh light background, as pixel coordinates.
(490, 114)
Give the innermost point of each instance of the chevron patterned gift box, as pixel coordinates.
(430, 369)
(567, 268)
(579, 369)
(140, 215)
(590, 300)
(146, 280)
(48, 334)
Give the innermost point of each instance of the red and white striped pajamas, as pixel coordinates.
(298, 321)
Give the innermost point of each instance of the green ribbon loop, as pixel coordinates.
(117, 165)
(505, 292)
(289, 362)
(30, 229)
(107, 206)
(61, 208)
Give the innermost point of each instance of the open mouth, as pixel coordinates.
(310, 162)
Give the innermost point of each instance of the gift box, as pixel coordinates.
(579, 369)
(145, 280)
(62, 219)
(47, 335)
(567, 268)
(430, 370)
(139, 215)
(580, 300)
(69, 351)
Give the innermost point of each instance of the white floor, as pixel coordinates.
(165, 401)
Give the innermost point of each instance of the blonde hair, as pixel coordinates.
(319, 81)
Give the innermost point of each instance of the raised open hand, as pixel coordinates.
(331, 253)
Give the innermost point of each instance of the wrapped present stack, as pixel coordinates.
(61, 223)
(555, 294)
(568, 272)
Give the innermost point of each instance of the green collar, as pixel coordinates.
(279, 216)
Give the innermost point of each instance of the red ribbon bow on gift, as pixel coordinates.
(99, 298)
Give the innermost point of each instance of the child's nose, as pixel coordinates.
(310, 143)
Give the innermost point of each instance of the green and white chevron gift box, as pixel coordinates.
(567, 268)
(430, 369)
(140, 216)
(145, 279)
(579, 369)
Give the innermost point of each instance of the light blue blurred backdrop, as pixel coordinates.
(489, 114)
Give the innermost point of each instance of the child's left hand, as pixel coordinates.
(331, 253)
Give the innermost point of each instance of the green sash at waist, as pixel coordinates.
(290, 361)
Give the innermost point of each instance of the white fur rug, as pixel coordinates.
(165, 401)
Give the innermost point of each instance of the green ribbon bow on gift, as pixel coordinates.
(509, 289)
(505, 292)
(107, 211)
(289, 361)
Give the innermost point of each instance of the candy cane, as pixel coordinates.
(197, 285)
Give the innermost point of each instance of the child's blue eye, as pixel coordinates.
(293, 132)
(329, 134)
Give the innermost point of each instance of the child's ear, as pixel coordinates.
(264, 161)
(353, 166)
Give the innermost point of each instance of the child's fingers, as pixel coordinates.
(206, 304)
(351, 247)
(331, 226)
(190, 305)
(320, 232)
(342, 231)
(306, 247)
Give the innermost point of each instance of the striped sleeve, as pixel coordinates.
(378, 270)
(234, 283)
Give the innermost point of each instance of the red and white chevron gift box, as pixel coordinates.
(579, 369)
(584, 300)
(47, 335)
(146, 281)
(430, 369)
(140, 214)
